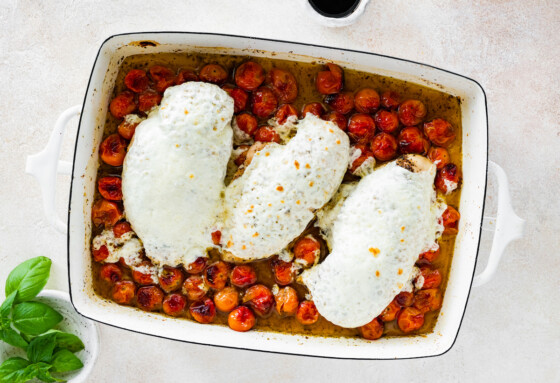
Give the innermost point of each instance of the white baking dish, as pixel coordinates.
(44, 167)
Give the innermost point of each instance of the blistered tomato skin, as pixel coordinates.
(430, 255)
(127, 129)
(148, 99)
(174, 304)
(384, 147)
(100, 254)
(282, 271)
(337, 118)
(213, 73)
(226, 299)
(197, 266)
(387, 121)
(411, 112)
(110, 188)
(160, 72)
(136, 80)
(216, 275)
(185, 76)
(263, 102)
(106, 213)
(141, 278)
(113, 150)
(203, 311)
(314, 108)
(247, 123)
(123, 292)
(361, 127)
(404, 299)
(440, 132)
(390, 312)
(390, 100)
(448, 178)
(284, 112)
(307, 313)
(366, 100)
(307, 251)
(240, 97)
(260, 299)
(329, 81)
(149, 298)
(121, 228)
(410, 319)
(243, 276)
(170, 279)
(241, 319)
(432, 278)
(373, 330)
(267, 134)
(122, 105)
(451, 221)
(287, 301)
(412, 141)
(365, 153)
(194, 287)
(283, 85)
(110, 273)
(427, 300)
(341, 102)
(249, 76)
(439, 156)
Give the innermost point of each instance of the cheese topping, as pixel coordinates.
(126, 247)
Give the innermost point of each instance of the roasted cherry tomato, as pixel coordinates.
(283, 85)
(174, 304)
(448, 178)
(390, 99)
(185, 76)
(373, 330)
(214, 73)
(162, 76)
(411, 112)
(246, 123)
(337, 118)
(342, 102)
(450, 220)
(427, 300)
(314, 108)
(439, 131)
(145, 278)
(136, 80)
(241, 319)
(226, 299)
(307, 251)
(439, 156)
(203, 311)
(216, 237)
(123, 292)
(287, 301)
(194, 287)
(149, 298)
(329, 81)
(307, 313)
(122, 105)
(243, 276)
(113, 150)
(390, 312)
(284, 112)
(404, 299)
(266, 134)
(410, 319)
(430, 255)
(432, 278)
(384, 146)
(126, 129)
(282, 271)
(411, 140)
(263, 102)
(170, 279)
(239, 96)
(366, 100)
(148, 99)
(387, 121)
(106, 213)
(110, 188)
(197, 266)
(361, 127)
(249, 75)
(110, 273)
(216, 275)
(121, 228)
(365, 153)
(100, 254)
(260, 299)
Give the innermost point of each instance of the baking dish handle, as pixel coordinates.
(508, 226)
(45, 166)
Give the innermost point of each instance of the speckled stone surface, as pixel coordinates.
(511, 330)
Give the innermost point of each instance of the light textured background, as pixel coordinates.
(511, 330)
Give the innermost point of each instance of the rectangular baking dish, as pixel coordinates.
(45, 165)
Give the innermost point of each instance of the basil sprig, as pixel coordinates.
(29, 325)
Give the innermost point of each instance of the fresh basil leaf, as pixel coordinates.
(29, 278)
(6, 309)
(65, 360)
(12, 370)
(41, 348)
(44, 374)
(12, 337)
(68, 341)
(34, 318)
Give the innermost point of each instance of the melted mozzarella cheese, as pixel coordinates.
(126, 247)
(274, 200)
(173, 172)
(381, 228)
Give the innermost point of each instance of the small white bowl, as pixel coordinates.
(73, 323)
